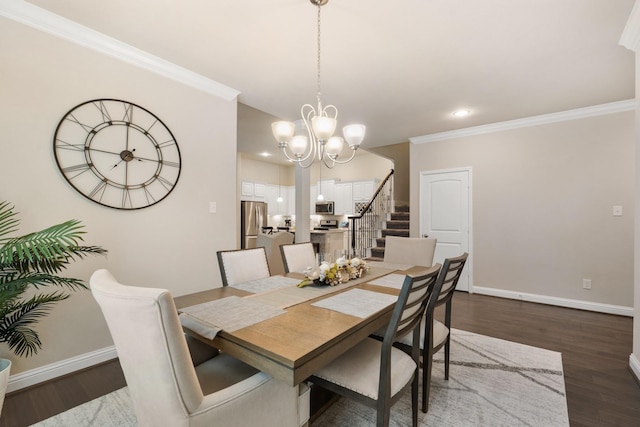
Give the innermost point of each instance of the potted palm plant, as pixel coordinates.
(29, 267)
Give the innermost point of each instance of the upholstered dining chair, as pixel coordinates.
(166, 388)
(409, 250)
(298, 256)
(271, 244)
(243, 265)
(375, 373)
(435, 334)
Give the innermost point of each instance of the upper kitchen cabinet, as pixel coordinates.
(326, 186)
(363, 190)
(343, 196)
(255, 191)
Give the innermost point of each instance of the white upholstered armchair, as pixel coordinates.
(166, 388)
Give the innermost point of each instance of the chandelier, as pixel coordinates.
(318, 144)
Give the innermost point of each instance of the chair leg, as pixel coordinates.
(427, 360)
(414, 399)
(446, 358)
(383, 415)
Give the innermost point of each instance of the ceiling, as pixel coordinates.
(399, 67)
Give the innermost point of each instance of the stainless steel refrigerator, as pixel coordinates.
(253, 216)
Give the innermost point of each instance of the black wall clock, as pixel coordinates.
(117, 154)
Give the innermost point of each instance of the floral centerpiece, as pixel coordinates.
(334, 274)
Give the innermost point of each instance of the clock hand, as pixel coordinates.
(103, 151)
(125, 156)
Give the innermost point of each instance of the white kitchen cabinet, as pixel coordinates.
(271, 197)
(343, 196)
(256, 191)
(363, 190)
(247, 191)
(259, 190)
(327, 187)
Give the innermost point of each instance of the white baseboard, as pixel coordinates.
(561, 302)
(54, 370)
(634, 364)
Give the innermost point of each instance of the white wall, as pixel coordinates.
(170, 245)
(542, 206)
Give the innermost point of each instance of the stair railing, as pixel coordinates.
(366, 226)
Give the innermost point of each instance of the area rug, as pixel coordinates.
(492, 382)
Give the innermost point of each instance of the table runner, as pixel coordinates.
(266, 284)
(357, 302)
(292, 295)
(389, 265)
(229, 314)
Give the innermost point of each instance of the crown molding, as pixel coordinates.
(579, 113)
(43, 20)
(630, 37)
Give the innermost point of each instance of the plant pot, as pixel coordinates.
(5, 367)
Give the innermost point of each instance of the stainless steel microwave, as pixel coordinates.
(325, 208)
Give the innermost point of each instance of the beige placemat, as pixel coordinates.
(229, 314)
(393, 280)
(266, 284)
(357, 302)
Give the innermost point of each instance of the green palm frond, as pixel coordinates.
(34, 261)
(8, 221)
(15, 326)
(42, 279)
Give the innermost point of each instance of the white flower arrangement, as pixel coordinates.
(336, 273)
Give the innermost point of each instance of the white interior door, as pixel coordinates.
(446, 215)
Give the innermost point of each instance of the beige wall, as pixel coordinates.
(362, 167)
(399, 153)
(636, 319)
(542, 201)
(170, 245)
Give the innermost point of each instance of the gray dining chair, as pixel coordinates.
(376, 373)
(434, 334)
(243, 265)
(172, 384)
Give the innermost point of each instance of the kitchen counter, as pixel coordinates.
(330, 242)
(337, 230)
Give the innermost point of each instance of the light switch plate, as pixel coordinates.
(617, 211)
(213, 207)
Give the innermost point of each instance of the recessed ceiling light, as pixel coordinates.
(461, 113)
(265, 154)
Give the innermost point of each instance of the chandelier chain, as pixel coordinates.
(320, 123)
(318, 42)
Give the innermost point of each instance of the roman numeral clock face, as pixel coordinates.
(117, 154)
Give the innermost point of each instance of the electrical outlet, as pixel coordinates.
(586, 283)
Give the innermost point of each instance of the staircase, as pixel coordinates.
(397, 225)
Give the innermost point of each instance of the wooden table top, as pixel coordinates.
(294, 345)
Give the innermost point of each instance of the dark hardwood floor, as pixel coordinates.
(601, 390)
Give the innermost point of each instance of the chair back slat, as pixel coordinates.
(449, 276)
(412, 301)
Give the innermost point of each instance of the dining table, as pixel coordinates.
(290, 332)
